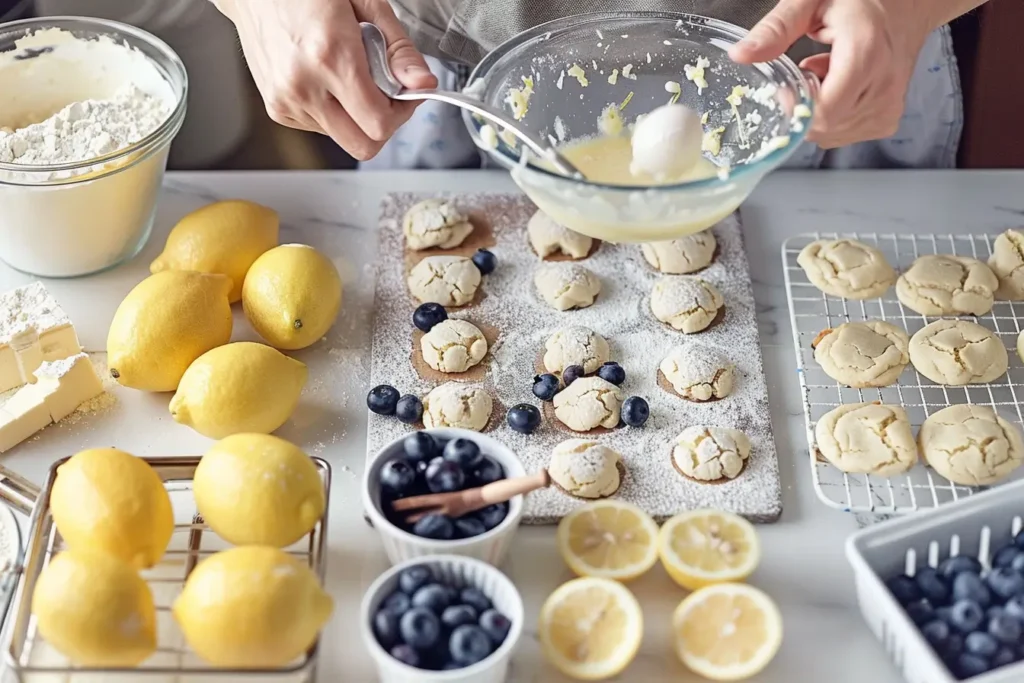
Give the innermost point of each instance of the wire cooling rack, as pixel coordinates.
(811, 311)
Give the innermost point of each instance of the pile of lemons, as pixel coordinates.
(252, 606)
(591, 627)
(172, 331)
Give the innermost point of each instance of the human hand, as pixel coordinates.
(875, 44)
(308, 61)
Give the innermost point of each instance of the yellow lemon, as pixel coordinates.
(256, 489)
(164, 324)
(236, 388)
(609, 539)
(703, 547)
(292, 295)
(95, 610)
(252, 607)
(111, 502)
(727, 632)
(590, 628)
(223, 237)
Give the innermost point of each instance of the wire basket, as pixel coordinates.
(29, 659)
(811, 311)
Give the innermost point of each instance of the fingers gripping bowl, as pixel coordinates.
(575, 67)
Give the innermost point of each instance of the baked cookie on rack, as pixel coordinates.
(585, 468)
(867, 438)
(453, 345)
(686, 303)
(970, 445)
(1007, 262)
(575, 345)
(549, 238)
(863, 354)
(958, 352)
(698, 372)
(435, 223)
(566, 285)
(847, 269)
(455, 404)
(589, 403)
(445, 280)
(710, 454)
(681, 256)
(947, 285)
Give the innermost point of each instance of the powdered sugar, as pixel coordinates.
(30, 307)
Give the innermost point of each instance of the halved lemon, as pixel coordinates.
(704, 547)
(608, 539)
(727, 632)
(590, 629)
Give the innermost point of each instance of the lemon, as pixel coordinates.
(95, 609)
(251, 607)
(591, 628)
(223, 237)
(610, 539)
(256, 489)
(236, 388)
(164, 324)
(704, 547)
(110, 501)
(727, 632)
(291, 296)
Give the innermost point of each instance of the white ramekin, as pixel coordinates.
(401, 545)
(458, 571)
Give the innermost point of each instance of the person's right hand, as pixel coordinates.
(309, 64)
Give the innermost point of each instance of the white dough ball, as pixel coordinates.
(667, 141)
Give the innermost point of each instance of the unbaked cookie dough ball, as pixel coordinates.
(575, 345)
(445, 280)
(957, 352)
(455, 404)
(863, 354)
(711, 453)
(698, 372)
(688, 304)
(970, 445)
(589, 403)
(947, 285)
(585, 468)
(548, 237)
(1007, 262)
(453, 346)
(684, 255)
(567, 285)
(867, 438)
(846, 268)
(435, 223)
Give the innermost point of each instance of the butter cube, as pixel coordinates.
(33, 329)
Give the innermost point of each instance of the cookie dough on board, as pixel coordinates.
(847, 269)
(958, 352)
(567, 285)
(575, 345)
(585, 468)
(684, 255)
(698, 372)
(435, 223)
(589, 403)
(947, 285)
(457, 405)
(548, 237)
(445, 280)
(1007, 262)
(867, 438)
(710, 453)
(689, 304)
(453, 346)
(863, 354)
(970, 445)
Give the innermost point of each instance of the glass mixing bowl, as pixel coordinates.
(638, 56)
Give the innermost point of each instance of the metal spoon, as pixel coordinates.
(377, 56)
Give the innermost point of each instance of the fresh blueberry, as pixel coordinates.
(419, 447)
(952, 566)
(936, 632)
(968, 665)
(409, 409)
(437, 527)
(457, 615)
(1015, 607)
(981, 644)
(1002, 658)
(945, 614)
(966, 615)
(612, 372)
(571, 374)
(545, 387)
(397, 603)
(487, 472)
(406, 655)
(397, 476)
(476, 598)
(969, 586)
(1005, 582)
(635, 411)
(1005, 629)
(469, 645)
(523, 418)
(444, 476)
(492, 515)
(952, 647)
(428, 315)
(434, 597)
(485, 261)
(413, 578)
(420, 628)
(1005, 556)
(1018, 563)
(463, 452)
(920, 612)
(468, 527)
(1019, 539)
(496, 625)
(932, 586)
(382, 399)
(385, 628)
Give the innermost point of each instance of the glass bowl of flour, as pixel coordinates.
(582, 82)
(87, 116)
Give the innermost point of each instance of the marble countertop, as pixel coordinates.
(803, 565)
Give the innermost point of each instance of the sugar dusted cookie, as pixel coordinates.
(684, 255)
(457, 405)
(698, 372)
(589, 403)
(575, 345)
(435, 223)
(867, 438)
(585, 468)
(548, 237)
(566, 285)
(970, 445)
(710, 453)
(689, 304)
(846, 269)
(958, 352)
(1007, 262)
(453, 346)
(863, 354)
(947, 285)
(445, 280)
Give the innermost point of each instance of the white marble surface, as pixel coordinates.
(803, 566)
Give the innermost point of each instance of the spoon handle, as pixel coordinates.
(504, 489)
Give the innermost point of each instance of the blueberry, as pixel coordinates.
(952, 647)
(1005, 556)
(935, 632)
(981, 644)
(952, 566)
(571, 374)
(545, 387)
(420, 628)
(1002, 658)
(382, 399)
(385, 628)
(485, 261)
(1005, 629)
(437, 527)
(969, 586)
(1017, 564)
(1005, 582)
(397, 603)
(492, 515)
(406, 655)
(428, 315)
(1015, 607)
(413, 578)
(444, 477)
(966, 615)
(970, 665)
(463, 452)
(496, 625)
(920, 612)
(434, 597)
(487, 472)
(397, 476)
(945, 614)
(612, 372)
(419, 447)
(457, 615)
(635, 411)
(469, 645)
(1019, 539)
(409, 409)
(932, 586)
(468, 527)
(523, 418)
(476, 598)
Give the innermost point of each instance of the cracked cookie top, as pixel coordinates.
(445, 280)
(689, 304)
(847, 269)
(1007, 262)
(567, 285)
(435, 223)
(457, 405)
(548, 237)
(970, 444)
(867, 438)
(684, 255)
(698, 372)
(453, 346)
(584, 468)
(576, 345)
(710, 453)
(947, 285)
(589, 403)
(958, 352)
(863, 354)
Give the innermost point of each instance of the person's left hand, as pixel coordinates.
(875, 44)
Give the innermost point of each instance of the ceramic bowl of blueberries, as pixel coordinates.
(442, 461)
(442, 619)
